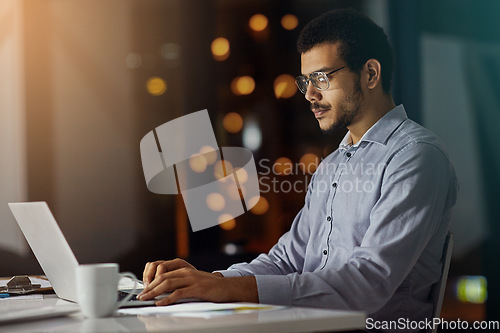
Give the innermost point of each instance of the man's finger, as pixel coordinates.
(162, 286)
(153, 269)
(150, 271)
(164, 267)
(145, 278)
(163, 283)
(172, 265)
(177, 295)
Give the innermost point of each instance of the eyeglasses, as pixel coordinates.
(319, 80)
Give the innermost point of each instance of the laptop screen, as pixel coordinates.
(49, 246)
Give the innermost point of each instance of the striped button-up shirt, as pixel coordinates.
(370, 235)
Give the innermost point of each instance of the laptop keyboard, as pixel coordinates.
(123, 294)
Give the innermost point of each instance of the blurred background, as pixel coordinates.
(83, 81)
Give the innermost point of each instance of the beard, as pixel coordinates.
(348, 110)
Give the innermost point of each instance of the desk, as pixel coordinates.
(289, 319)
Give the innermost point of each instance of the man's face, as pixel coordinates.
(338, 106)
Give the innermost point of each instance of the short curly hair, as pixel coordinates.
(359, 37)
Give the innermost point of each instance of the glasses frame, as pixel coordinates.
(314, 80)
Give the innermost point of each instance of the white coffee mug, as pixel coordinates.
(97, 289)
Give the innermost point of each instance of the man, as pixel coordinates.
(370, 235)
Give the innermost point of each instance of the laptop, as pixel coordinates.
(53, 252)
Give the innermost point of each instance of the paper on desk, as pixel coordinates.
(197, 309)
(44, 283)
(23, 297)
(224, 312)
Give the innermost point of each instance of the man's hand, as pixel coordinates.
(183, 281)
(159, 267)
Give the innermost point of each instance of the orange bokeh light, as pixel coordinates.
(242, 85)
(258, 22)
(284, 86)
(221, 169)
(242, 175)
(216, 202)
(261, 207)
(289, 21)
(229, 224)
(220, 49)
(283, 166)
(309, 163)
(198, 163)
(209, 153)
(233, 122)
(156, 86)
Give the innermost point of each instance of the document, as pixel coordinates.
(23, 297)
(198, 309)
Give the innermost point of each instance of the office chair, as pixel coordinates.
(437, 292)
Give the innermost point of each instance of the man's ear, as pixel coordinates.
(373, 73)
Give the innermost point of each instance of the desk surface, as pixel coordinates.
(289, 319)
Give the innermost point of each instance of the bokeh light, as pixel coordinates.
(229, 223)
(309, 163)
(472, 289)
(156, 86)
(284, 86)
(261, 207)
(234, 192)
(215, 201)
(242, 85)
(230, 249)
(198, 163)
(209, 153)
(258, 22)
(219, 168)
(252, 135)
(170, 51)
(233, 122)
(283, 166)
(220, 49)
(133, 60)
(242, 175)
(289, 21)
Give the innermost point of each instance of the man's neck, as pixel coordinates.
(369, 117)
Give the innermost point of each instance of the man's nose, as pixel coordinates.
(312, 93)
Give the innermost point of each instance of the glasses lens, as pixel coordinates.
(320, 80)
(301, 83)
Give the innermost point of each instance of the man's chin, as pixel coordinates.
(332, 128)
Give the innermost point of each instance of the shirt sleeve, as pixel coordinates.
(287, 256)
(417, 190)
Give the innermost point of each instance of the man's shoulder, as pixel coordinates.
(411, 134)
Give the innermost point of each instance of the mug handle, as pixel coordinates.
(129, 296)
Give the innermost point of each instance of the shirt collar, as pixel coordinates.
(381, 130)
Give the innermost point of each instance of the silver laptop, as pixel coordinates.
(52, 250)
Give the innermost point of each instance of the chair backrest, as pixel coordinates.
(437, 292)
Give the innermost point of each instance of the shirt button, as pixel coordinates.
(334, 184)
(328, 218)
(348, 154)
(325, 252)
